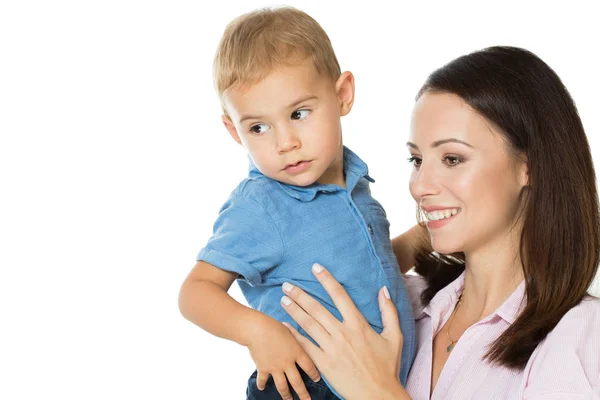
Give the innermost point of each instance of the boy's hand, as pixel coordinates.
(276, 352)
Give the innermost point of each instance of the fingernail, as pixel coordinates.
(386, 292)
(287, 287)
(317, 268)
(286, 324)
(286, 301)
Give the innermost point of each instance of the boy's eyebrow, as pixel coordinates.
(439, 143)
(294, 104)
(245, 117)
(302, 100)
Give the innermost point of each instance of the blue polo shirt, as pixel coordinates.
(269, 233)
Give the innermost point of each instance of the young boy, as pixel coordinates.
(306, 200)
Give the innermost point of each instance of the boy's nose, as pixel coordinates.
(287, 141)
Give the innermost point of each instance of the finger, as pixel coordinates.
(389, 317)
(338, 294)
(261, 380)
(309, 368)
(314, 352)
(306, 321)
(294, 378)
(282, 386)
(311, 307)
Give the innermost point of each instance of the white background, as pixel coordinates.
(114, 163)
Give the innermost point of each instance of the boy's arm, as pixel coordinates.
(404, 246)
(203, 300)
(246, 240)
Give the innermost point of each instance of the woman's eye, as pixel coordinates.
(415, 161)
(259, 128)
(300, 114)
(452, 161)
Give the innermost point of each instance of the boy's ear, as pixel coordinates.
(231, 129)
(344, 88)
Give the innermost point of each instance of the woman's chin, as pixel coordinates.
(445, 248)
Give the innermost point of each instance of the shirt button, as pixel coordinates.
(370, 228)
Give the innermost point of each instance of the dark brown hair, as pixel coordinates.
(560, 243)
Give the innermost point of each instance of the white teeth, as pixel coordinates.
(441, 214)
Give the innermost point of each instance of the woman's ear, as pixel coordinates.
(523, 170)
(344, 87)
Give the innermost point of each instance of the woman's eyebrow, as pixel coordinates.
(439, 143)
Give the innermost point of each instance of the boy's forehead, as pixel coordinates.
(302, 73)
(279, 88)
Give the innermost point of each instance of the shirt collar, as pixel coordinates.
(448, 296)
(512, 307)
(354, 169)
(445, 298)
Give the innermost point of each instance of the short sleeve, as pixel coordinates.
(567, 364)
(245, 240)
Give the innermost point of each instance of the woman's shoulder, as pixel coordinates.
(581, 320)
(567, 360)
(589, 304)
(578, 328)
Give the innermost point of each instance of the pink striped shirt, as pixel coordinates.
(566, 365)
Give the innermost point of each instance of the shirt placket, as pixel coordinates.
(366, 228)
(468, 343)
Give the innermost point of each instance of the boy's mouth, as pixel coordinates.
(296, 167)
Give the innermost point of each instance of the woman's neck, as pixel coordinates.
(491, 275)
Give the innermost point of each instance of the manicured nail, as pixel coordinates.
(317, 268)
(386, 292)
(286, 324)
(286, 301)
(287, 287)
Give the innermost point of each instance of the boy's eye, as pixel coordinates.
(300, 114)
(259, 128)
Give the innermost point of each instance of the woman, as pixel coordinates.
(503, 176)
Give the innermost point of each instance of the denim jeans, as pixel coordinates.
(317, 390)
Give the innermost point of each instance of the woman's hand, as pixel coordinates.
(357, 362)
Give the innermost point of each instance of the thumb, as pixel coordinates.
(389, 317)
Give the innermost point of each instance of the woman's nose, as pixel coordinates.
(424, 181)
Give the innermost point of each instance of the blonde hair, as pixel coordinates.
(257, 42)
